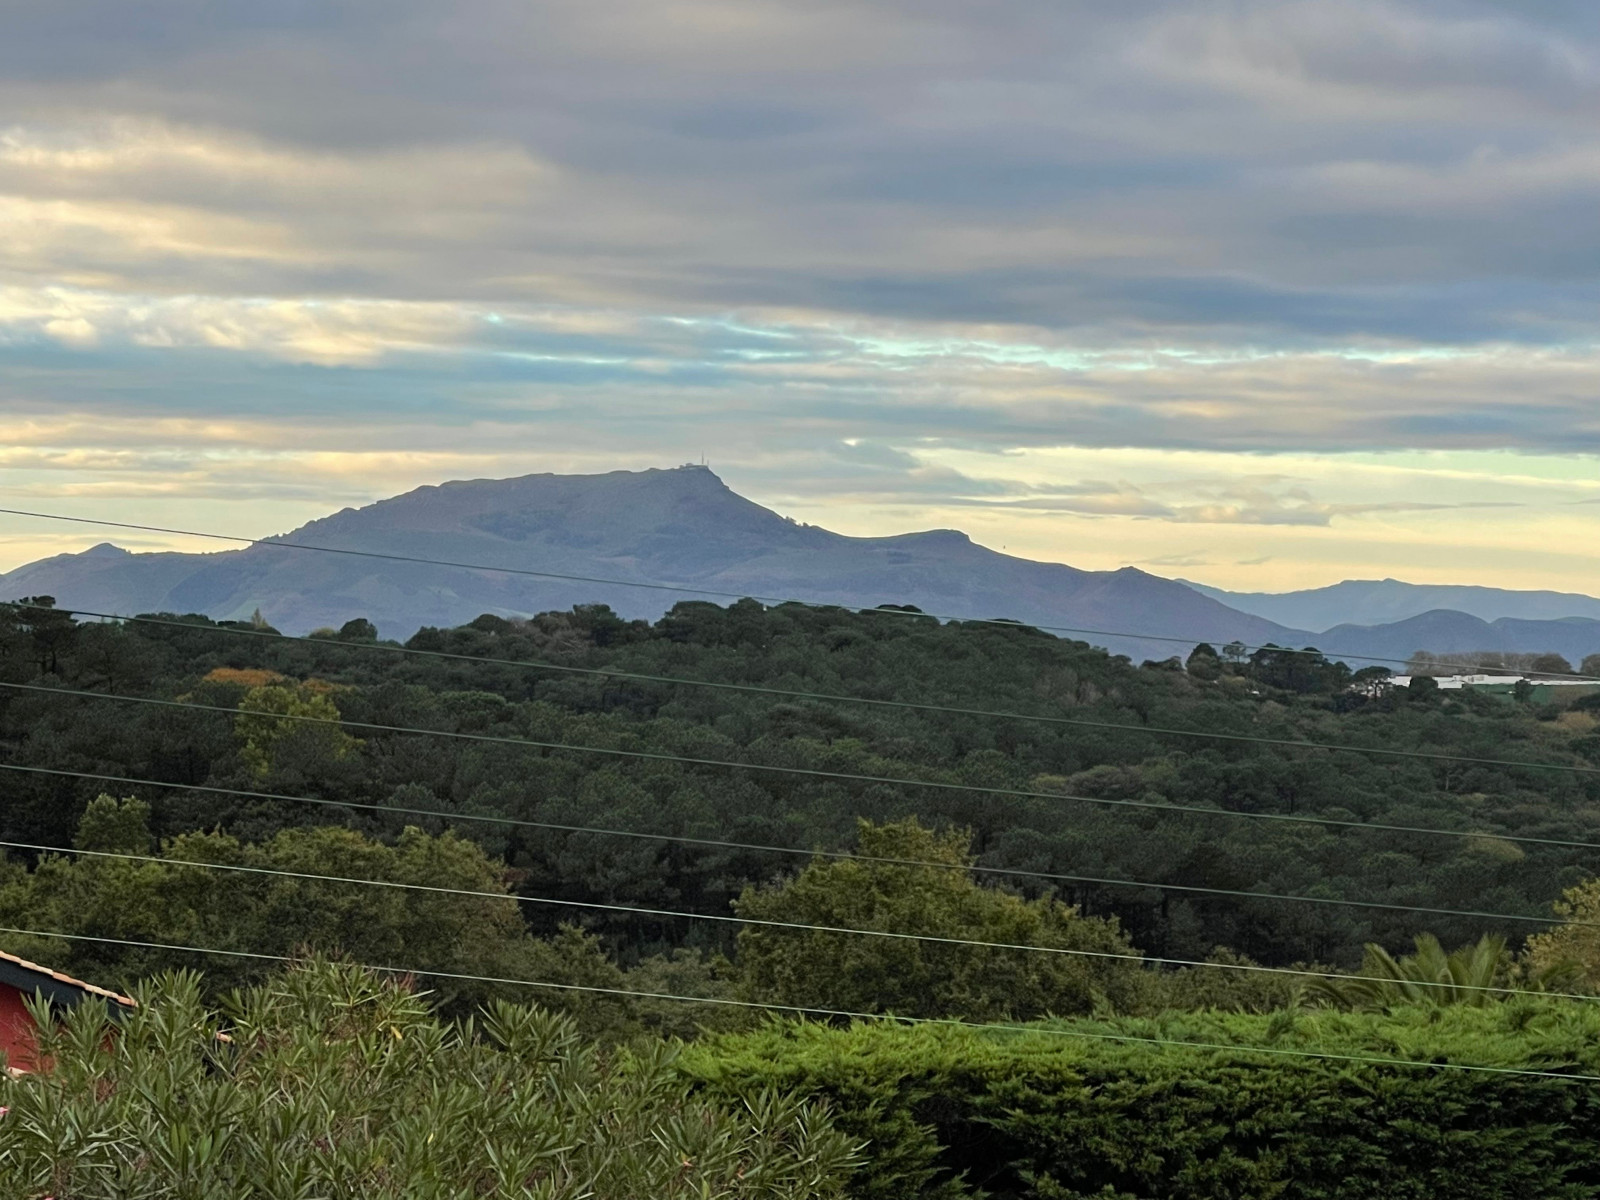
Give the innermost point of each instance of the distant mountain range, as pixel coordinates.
(685, 528)
(1381, 601)
(1446, 632)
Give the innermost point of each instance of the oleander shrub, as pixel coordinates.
(329, 1082)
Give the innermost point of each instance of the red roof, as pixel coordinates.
(10, 965)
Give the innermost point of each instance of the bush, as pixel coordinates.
(953, 1112)
(331, 1082)
(914, 881)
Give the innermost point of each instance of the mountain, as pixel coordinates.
(682, 527)
(685, 528)
(1383, 601)
(1446, 632)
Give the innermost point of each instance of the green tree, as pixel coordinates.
(119, 826)
(279, 906)
(926, 891)
(46, 631)
(1572, 949)
(1425, 688)
(257, 909)
(1204, 662)
(1304, 670)
(279, 727)
(1549, 664)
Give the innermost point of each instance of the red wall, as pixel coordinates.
(16, 1029)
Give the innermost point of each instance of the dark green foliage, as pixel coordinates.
(333, 1083)
(170, 901)
(950, 1112)
(875, 655)
(1204, 663)
(1302, 671)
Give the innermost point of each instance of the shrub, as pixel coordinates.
(950, 1111)
(332, 1082)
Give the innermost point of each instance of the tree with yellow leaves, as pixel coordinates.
(294, 727)
(1574, 948)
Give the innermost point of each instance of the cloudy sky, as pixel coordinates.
(1264, 294)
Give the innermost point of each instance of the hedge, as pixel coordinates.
(951, 1111)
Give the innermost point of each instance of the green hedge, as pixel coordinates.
(956, 1112)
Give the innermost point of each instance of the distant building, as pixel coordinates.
(20, 980)
(1451, 682)
(1541, 690)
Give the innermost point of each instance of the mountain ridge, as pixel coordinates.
(681, 527)
(1383, 601)
(685, 528)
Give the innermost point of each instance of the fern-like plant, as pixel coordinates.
(1480, 974)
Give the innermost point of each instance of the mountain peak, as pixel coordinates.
(628, 539)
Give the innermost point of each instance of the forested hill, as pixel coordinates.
(1115, 754)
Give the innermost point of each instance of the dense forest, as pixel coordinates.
(1116, 754)
(682, 830)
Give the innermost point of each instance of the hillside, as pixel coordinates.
(1099, 736)
(682, 527)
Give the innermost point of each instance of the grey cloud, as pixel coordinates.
(875, 454)
(1256, 509)
(740, 383)
(1173, 501)
(1143, 170)
(651, 227)
(1200, 560)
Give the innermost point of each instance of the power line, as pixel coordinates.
(606, 673)
(838, 855)
(694, 591)
(1251, 739)
(792, 926)
(831, 1013)
(813, 772)
(756, 689)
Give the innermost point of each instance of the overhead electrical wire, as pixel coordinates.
(603, 673)
(837, 855)
(635, 910)
(792, 926)
(807, 772)
(830, 1013)
(1120, 726)
(687, 590)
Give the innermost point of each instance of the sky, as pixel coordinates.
(1261, 294)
